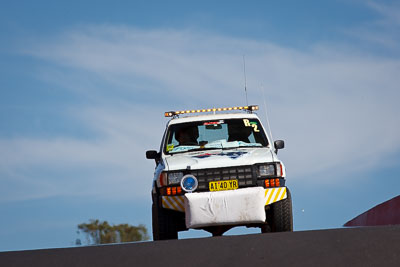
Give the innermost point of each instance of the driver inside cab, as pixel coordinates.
(187, 136)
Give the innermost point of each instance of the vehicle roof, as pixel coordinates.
(219, 116)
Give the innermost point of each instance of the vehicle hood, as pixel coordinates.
(219, 158)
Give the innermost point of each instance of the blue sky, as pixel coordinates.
(83, 87)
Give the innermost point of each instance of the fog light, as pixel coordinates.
(189, 183)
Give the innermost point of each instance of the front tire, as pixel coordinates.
(280, 216)
(164, 223)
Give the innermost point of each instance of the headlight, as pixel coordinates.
(174, 177)
(189, 183)
(267, 170)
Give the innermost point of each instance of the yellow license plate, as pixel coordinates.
(223, 185)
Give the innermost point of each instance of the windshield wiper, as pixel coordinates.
(196, 149)
(206, 148)
(250, 146)
(211, 148)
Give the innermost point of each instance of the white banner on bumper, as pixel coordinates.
(239, 206)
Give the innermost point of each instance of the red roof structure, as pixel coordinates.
(386, 213)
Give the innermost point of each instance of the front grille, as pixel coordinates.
(244, 174)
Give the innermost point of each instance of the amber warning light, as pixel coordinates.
(177, 113)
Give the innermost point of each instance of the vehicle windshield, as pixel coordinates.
(203, 135)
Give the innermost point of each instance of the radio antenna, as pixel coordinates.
(266, 113)
(245, 82)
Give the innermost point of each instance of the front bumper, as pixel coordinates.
(238, 206)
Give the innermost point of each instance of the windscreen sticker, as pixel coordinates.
(170, 147)
(213, 122)
(253, 124)
(232, 155)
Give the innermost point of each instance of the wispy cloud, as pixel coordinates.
(335, 106)
(389, 12)
(108, 165)
(381, 33)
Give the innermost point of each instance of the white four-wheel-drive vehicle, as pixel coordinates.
(218, 171)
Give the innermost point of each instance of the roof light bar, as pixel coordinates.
(176, 113)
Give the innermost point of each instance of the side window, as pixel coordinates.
(252, 139)
(174, 141)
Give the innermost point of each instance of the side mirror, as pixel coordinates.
(152, 154)
(279, 144)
